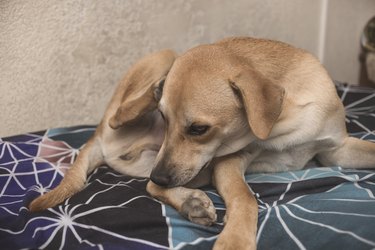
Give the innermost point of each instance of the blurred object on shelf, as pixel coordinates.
(367, 57)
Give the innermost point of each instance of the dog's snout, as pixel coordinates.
(161, 179)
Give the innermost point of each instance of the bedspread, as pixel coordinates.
(315, 208)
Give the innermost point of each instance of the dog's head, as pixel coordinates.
(214, 104)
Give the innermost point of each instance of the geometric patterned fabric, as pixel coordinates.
(315, 208)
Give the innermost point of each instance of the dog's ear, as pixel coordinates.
(261, 99)
(142, 87)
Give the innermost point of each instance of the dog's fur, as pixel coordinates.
(128, 140)
(235, 106)
(129, 149)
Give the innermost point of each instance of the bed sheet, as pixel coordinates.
(315, 208)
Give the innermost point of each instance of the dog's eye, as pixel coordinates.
(197, 129)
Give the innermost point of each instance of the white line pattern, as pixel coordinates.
(115, 211)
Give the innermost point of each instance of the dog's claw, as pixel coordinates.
(198, 208)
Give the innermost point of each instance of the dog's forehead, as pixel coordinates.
(196, 82)
(194, 100)
(191, 75)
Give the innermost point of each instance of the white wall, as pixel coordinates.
(60, 60)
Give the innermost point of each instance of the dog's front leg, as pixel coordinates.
(193, 204)
(242, 209)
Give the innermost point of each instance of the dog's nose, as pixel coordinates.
(160, 179)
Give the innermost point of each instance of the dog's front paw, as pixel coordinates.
(198, 208)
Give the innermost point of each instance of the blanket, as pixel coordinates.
(314, 208)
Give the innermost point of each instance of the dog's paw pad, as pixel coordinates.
(199, 209)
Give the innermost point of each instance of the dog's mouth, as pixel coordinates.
(205, 166)
(188, 178)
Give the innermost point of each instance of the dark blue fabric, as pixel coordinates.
(316, 208)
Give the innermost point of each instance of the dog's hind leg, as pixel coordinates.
(74, 180)
(352, 153)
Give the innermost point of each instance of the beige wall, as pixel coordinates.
(345, 22)
(60, 60)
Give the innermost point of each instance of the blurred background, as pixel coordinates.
(61, 60)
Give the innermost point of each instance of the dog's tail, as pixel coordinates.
(74, 180)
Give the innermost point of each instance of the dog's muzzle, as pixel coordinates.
(164, 178)
(160, 178)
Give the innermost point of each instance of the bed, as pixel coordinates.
(315, 208)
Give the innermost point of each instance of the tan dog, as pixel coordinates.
(240, 105)
(129, 149)
(128, 140)
(250, 105)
